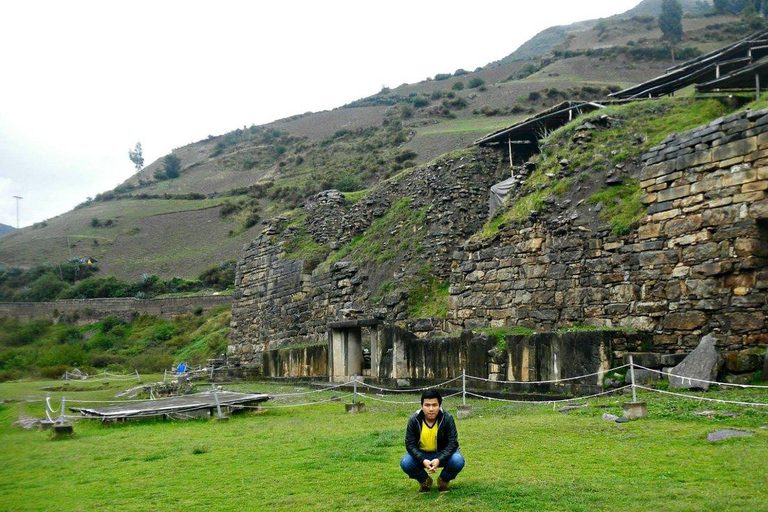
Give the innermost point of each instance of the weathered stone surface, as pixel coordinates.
(742, 361)
(727, 434)
(686, 321)
(699, 368)
(672, 359)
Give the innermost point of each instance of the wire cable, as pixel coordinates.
(693, 379)
(702, 398)
(547, 402)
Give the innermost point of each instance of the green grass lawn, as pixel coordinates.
(519, 457)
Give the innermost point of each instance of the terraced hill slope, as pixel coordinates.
(230, 185)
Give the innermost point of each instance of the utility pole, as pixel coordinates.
(17, 210)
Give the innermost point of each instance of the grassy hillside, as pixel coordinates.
(230, 185)
(147, 344)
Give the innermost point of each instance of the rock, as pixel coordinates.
(647, 359)
(743, 361)
(610, 417)
(672, 359)
(727, 433)
(701, 365)
(423, 325)
(567, 408)
(743, 378)
(645, 376)
(622, 419)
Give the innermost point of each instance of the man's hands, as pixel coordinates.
(431, 465)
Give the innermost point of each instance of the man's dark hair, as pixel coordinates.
(431, 393)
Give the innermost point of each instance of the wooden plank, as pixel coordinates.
(170, 405)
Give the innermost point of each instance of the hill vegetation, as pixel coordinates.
(147, 344)
(222, 191)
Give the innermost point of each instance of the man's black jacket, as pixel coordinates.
(447, 436)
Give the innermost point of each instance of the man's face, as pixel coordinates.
(431, 407)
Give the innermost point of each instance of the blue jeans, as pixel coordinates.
(415, 468)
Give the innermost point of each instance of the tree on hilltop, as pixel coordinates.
(137, 156)
(671, 23)
(172, 166)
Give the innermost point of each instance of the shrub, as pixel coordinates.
(171, 166)
(476, 82)
(458, 86)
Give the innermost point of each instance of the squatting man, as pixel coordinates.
(431, 441)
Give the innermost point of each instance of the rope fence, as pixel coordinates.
(378, 393)
(105, 376)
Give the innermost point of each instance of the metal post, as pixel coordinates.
(463, 387)
(632, 377)
(354, 389)
(17, 210)
(63, 406)
(216, 399)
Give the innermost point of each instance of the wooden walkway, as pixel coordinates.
(177, 407)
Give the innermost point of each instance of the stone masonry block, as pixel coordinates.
(762, 141)
(674, 193)
(656, 217)
(693, 159)
(759, 209)
(650, 230)
(739, 177)
(669, 177)
(734, 149)
(749, 197)
(656, 170)
(707, 184)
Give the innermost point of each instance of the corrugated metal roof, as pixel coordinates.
(703, 68)
(534, 128)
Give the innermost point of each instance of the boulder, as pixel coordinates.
(645, 376)
(647, 359)
(701, 365)
(672, 359)
(742, 361)
(727, 433)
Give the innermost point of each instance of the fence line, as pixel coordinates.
(332, 399)
(406, 390)
(693, 379)
(547, 402)
(555, 381)
(702, 398)
(463, 392)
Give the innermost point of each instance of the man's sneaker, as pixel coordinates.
(442, 485)
(426, 485)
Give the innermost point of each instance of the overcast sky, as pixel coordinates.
(82, 82)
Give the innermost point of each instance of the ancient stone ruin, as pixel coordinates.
(696, 265)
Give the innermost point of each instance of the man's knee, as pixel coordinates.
(456, 461)
(407, 463)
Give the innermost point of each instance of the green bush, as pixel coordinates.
(476, 82)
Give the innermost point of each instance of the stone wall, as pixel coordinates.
(94, 310)
(696, 264)
(280, 301)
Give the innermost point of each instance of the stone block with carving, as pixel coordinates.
(699, 368)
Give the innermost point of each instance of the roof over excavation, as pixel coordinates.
(536, 127)
(703, 69)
